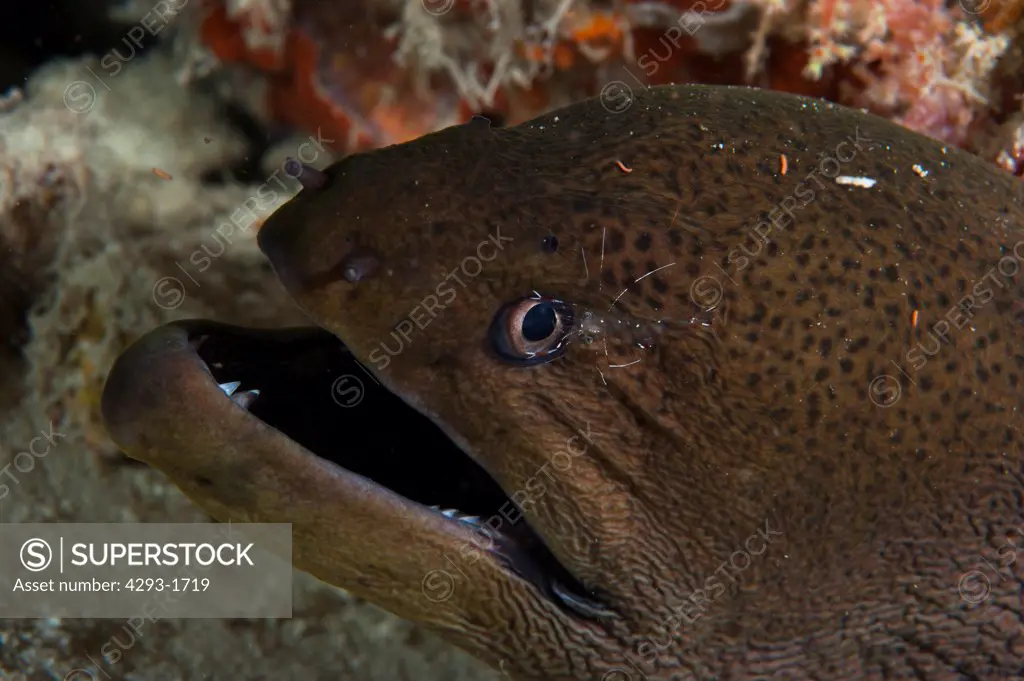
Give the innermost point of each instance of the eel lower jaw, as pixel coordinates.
(303, 403)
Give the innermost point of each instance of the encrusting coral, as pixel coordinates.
(105, 201)
(946, 69)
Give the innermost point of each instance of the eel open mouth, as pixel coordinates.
(305, 384)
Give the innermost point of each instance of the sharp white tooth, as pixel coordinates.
(581, 604)
(229, 388)
(245, 399)
(450, 512)
(473, 519)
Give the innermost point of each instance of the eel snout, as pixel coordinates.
(271, 426)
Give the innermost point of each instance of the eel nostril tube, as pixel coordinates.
(308, 176)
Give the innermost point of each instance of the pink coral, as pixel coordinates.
(923, 63)
(935, 66)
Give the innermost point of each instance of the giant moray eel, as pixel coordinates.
(732, 378)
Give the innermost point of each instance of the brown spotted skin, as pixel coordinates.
(859, 499)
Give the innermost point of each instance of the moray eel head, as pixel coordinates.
(665, 371)
(464, 292)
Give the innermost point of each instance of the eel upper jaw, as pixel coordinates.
(213, 407)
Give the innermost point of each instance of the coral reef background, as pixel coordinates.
(134, 136)
(111, 183)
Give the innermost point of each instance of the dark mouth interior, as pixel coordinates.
(375, 434)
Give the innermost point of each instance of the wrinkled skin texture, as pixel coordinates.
(764, 493)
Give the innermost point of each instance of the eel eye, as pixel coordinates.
(532, 330)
